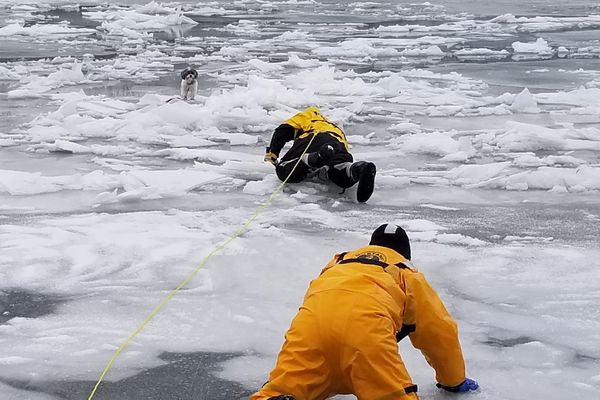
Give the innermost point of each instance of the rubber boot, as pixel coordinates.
(363, 172)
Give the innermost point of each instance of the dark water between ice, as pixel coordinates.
(184, 376)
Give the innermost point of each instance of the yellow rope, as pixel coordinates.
(191, 276)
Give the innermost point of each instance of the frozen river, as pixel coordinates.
(483, 121)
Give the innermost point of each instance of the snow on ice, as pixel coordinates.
(112, 189)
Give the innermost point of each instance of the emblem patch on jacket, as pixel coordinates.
(372, 255)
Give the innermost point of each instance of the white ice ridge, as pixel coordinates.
(39, 30)
(38, 86)
(149, 17)
(464, 25)
(540, 46)
(155, 128)
(547, 24)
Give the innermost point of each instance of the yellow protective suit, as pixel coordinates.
(343, 339)
(311, 121)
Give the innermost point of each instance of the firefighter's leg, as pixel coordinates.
(374, 367)
(286, 168)
(301, 370)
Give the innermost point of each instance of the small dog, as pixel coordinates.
(189, 83)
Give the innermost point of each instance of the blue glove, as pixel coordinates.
(467, 385)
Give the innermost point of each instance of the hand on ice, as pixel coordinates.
(271, 158)
(466, 386)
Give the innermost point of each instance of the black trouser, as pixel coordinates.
(337, 166)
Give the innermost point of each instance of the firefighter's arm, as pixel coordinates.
(436, 333)
(290, 130)
(283, 134)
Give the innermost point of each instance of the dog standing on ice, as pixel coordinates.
(189, 83)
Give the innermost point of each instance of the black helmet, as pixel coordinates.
(393, 237)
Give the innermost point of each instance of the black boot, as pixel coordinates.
(363, 172)
(321, 157)
(282, 397)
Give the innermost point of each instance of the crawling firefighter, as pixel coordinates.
(344, 338)
(327, 154)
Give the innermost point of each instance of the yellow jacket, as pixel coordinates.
(406, 297)
(343, 339)
(312, 121)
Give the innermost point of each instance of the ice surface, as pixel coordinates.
(112, 189)
(540, 46)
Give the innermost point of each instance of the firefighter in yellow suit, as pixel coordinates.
(344, 338)
(327, 153)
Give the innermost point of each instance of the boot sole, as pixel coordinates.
(366, 183)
